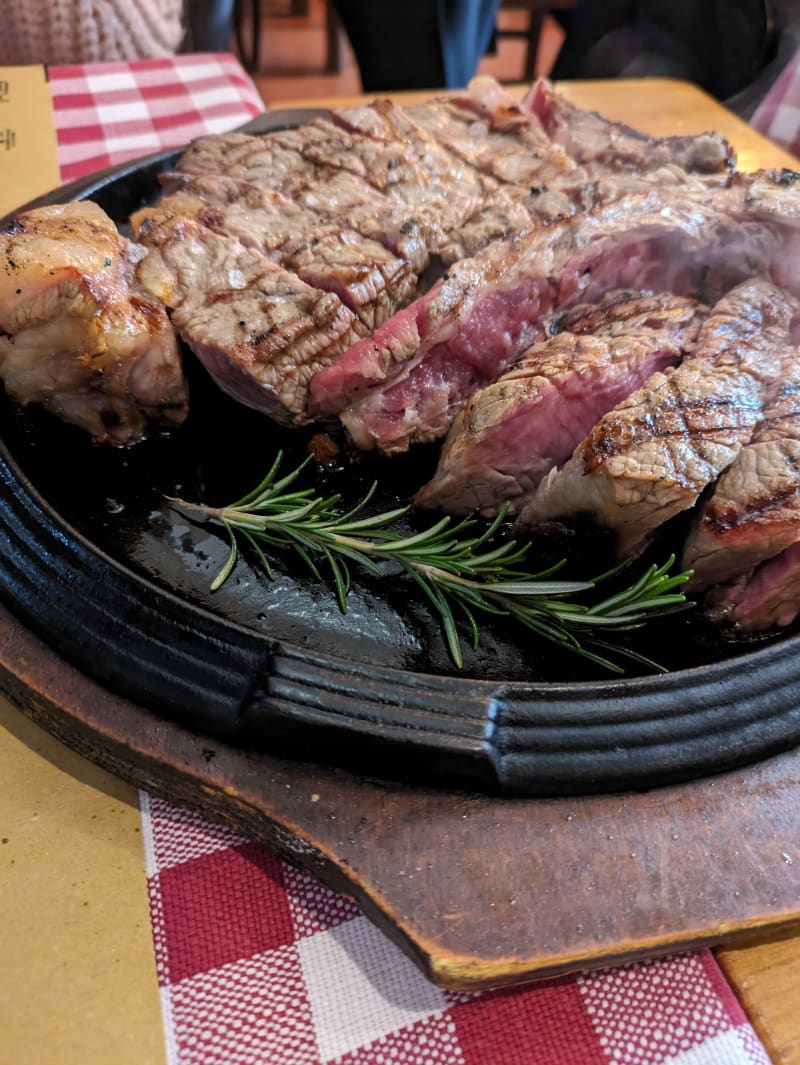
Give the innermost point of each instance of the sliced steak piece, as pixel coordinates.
(514, 431)
(259, 217)
(259, 160)
(653, 455)
(267, 218)
(415, 172)
(353, 203)
(595, 142)
(407, 381)
(78, 334)
(367, 277)
(488, 128)
(261, 332)
(425, 183)
(753, 512)
(764, 600)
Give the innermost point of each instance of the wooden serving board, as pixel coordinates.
(479, 891)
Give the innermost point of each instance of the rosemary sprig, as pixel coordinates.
(458, 570)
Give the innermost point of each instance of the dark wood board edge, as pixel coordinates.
(478, 891)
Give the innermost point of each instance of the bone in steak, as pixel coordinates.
(652, 456)
(356, 204)
(511, 433)
(77, 332)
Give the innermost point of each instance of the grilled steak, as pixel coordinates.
(652, 456)
(367, 277)
(261, 332)
(408, 380)
(753, 512)
(356, 204)
(595, 142)
(423, 182)
(515, 430)
(77, 332)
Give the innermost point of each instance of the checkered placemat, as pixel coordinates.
(778, 114)
(259, 964)
(107, 113)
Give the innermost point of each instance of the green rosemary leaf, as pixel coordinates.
(230, 562)
(455, 564)
(260, 555)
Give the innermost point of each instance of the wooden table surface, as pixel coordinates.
(76, 928)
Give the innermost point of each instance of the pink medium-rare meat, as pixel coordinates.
(653, 455)
(753, 512)
(407, 381)
(78, 334)
(511, 433)
(261, 332)
(599, 144)
(768, 598)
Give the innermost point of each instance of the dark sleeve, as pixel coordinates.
(417, 44)
(718, 44)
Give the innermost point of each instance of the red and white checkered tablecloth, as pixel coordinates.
(258, 964)
(778, 114)
(107, 113)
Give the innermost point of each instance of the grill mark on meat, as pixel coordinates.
(754, 511)
(511, 433)
(260, 330)
(368, 278)
(675, 418)
(651, 457)
(418, 175)
(657, 238)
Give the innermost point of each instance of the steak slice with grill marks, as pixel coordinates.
(654, 454)
(429, 184)
(260, 331)
(367, 277)
(484, 127)
(514, 431)
(408, 380)
(78, 333)
(753, 512)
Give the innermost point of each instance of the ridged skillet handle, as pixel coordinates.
(382, 719)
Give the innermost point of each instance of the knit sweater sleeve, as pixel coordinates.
(87, 31)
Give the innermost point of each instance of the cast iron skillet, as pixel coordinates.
(94, 559)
